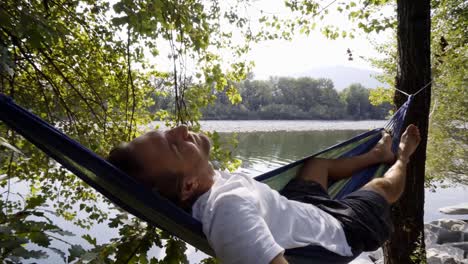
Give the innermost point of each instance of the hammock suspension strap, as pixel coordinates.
(417, 92)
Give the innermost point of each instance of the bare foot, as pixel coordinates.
(383, 149)
(408, 143)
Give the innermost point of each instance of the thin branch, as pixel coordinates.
(59, 239)
(65, 78)
(28, 59)
(99, 100)
(131, 84)
(17, 43)
(176, 86)
(325, 8)
(46, 100)
(56, 90)
(12, 155)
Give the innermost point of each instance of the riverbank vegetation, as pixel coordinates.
(297, 98)
(289, 99)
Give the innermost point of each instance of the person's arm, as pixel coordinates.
(239, 234)
(279, 260)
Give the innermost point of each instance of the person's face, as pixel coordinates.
(176, 150)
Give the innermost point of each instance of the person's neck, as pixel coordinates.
(207, 181)
(204, 185)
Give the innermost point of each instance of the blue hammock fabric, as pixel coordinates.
(142, 202)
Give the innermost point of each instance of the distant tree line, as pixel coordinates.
(296, 98)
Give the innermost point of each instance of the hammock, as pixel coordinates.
(140, 201)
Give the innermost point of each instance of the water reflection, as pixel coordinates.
(264, 151)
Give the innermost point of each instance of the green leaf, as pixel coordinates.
(28, 254)
(62, 232)
(90, 239)
(58, 252)
(39, 238)
(34, 201)
(75, 251)
(88, 257)
(209, 261)
(13, 242)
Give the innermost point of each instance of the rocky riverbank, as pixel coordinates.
(446, 243)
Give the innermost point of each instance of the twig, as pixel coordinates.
(130, 83)
(65, 78)
(176, 86)
(12, 155)
(56, 90)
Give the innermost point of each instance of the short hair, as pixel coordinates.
(167, 183)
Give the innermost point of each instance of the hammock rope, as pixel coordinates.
(417, 92)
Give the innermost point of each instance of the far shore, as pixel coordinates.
(229, 126)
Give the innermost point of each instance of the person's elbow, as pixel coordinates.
(279, 259)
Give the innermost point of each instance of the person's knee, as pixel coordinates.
(315, 169)
(385, 188)
(315, 164)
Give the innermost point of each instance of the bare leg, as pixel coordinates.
(392, 184)
(321, 170)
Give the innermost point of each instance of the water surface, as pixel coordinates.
(264, 151)
(282, 125)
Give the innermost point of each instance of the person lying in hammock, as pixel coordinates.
(246, 221)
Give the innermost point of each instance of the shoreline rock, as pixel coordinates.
(459, 209)
(446, 243)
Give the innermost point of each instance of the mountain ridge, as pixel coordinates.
(344, 76)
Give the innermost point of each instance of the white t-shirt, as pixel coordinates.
(246, 221)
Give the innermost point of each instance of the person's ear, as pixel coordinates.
(189, 188)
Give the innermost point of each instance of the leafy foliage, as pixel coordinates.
(82, 65)
(306, 16)
(31, 224)
(448, 138)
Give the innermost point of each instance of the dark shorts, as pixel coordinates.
(364, 214)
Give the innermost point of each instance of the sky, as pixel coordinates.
(303, 53)
(283, 58)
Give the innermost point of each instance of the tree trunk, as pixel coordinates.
(406, 244)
